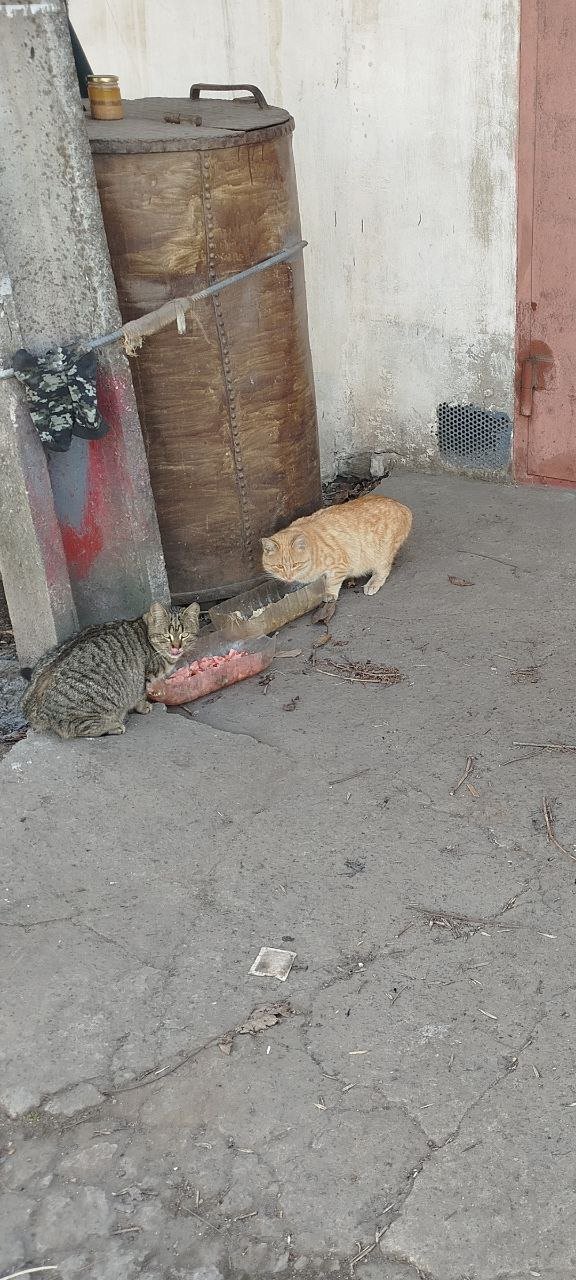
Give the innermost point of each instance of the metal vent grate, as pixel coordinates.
(474, 437)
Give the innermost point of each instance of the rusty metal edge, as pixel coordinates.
(247, 137)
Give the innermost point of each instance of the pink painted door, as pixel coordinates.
(545, 423)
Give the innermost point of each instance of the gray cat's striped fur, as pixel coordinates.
(88, 685)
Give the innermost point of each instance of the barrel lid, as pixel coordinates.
(188, 124)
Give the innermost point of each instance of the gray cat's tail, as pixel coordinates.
(26, 673)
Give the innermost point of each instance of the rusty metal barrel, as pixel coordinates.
(192, 191)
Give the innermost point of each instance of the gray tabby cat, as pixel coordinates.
(87, 686)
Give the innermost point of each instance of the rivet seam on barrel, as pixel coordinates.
(247, 532)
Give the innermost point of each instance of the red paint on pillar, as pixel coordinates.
(106, 474)
(82, 546)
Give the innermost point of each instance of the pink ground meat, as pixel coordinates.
(206, 675)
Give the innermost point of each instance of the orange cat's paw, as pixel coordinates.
(373, 585)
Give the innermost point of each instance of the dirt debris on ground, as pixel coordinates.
(411, 1116)
(12, 686)
(344, 488)
(366, 672)
(13, 722)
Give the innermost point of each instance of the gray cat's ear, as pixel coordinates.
(157, 615)
(190, 614)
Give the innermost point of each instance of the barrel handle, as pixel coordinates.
(257, 94)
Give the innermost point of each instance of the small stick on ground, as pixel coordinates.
(459, 923)
(396, 997)
(470, 762)
(518, 759)
(361, 672)
(364, 1252)
(28, 1271)
(546, 746)
(551, 833)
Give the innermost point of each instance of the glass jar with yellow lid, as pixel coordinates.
(104, 97)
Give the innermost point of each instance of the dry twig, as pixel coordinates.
(546, 746)
(470, 762)
(357, 672)
(550, 831)
(367, 1250)
(28, 1271)
(459, 924)
(457, 921)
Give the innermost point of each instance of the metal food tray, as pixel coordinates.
(266, 608)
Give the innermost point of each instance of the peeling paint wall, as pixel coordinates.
(406, 119)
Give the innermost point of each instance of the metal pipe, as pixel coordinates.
(118, 334)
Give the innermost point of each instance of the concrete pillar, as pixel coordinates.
(32, 561)
(57, 258)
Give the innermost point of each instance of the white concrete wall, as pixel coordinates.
(405, 151)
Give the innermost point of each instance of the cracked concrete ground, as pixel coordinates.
(419, 1096)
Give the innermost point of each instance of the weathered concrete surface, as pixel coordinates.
(435, 936)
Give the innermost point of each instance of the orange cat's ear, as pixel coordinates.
(268, 544)
(300, 542)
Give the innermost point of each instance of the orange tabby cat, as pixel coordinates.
(348, 541)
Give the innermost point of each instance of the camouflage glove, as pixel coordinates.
(60, 390)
